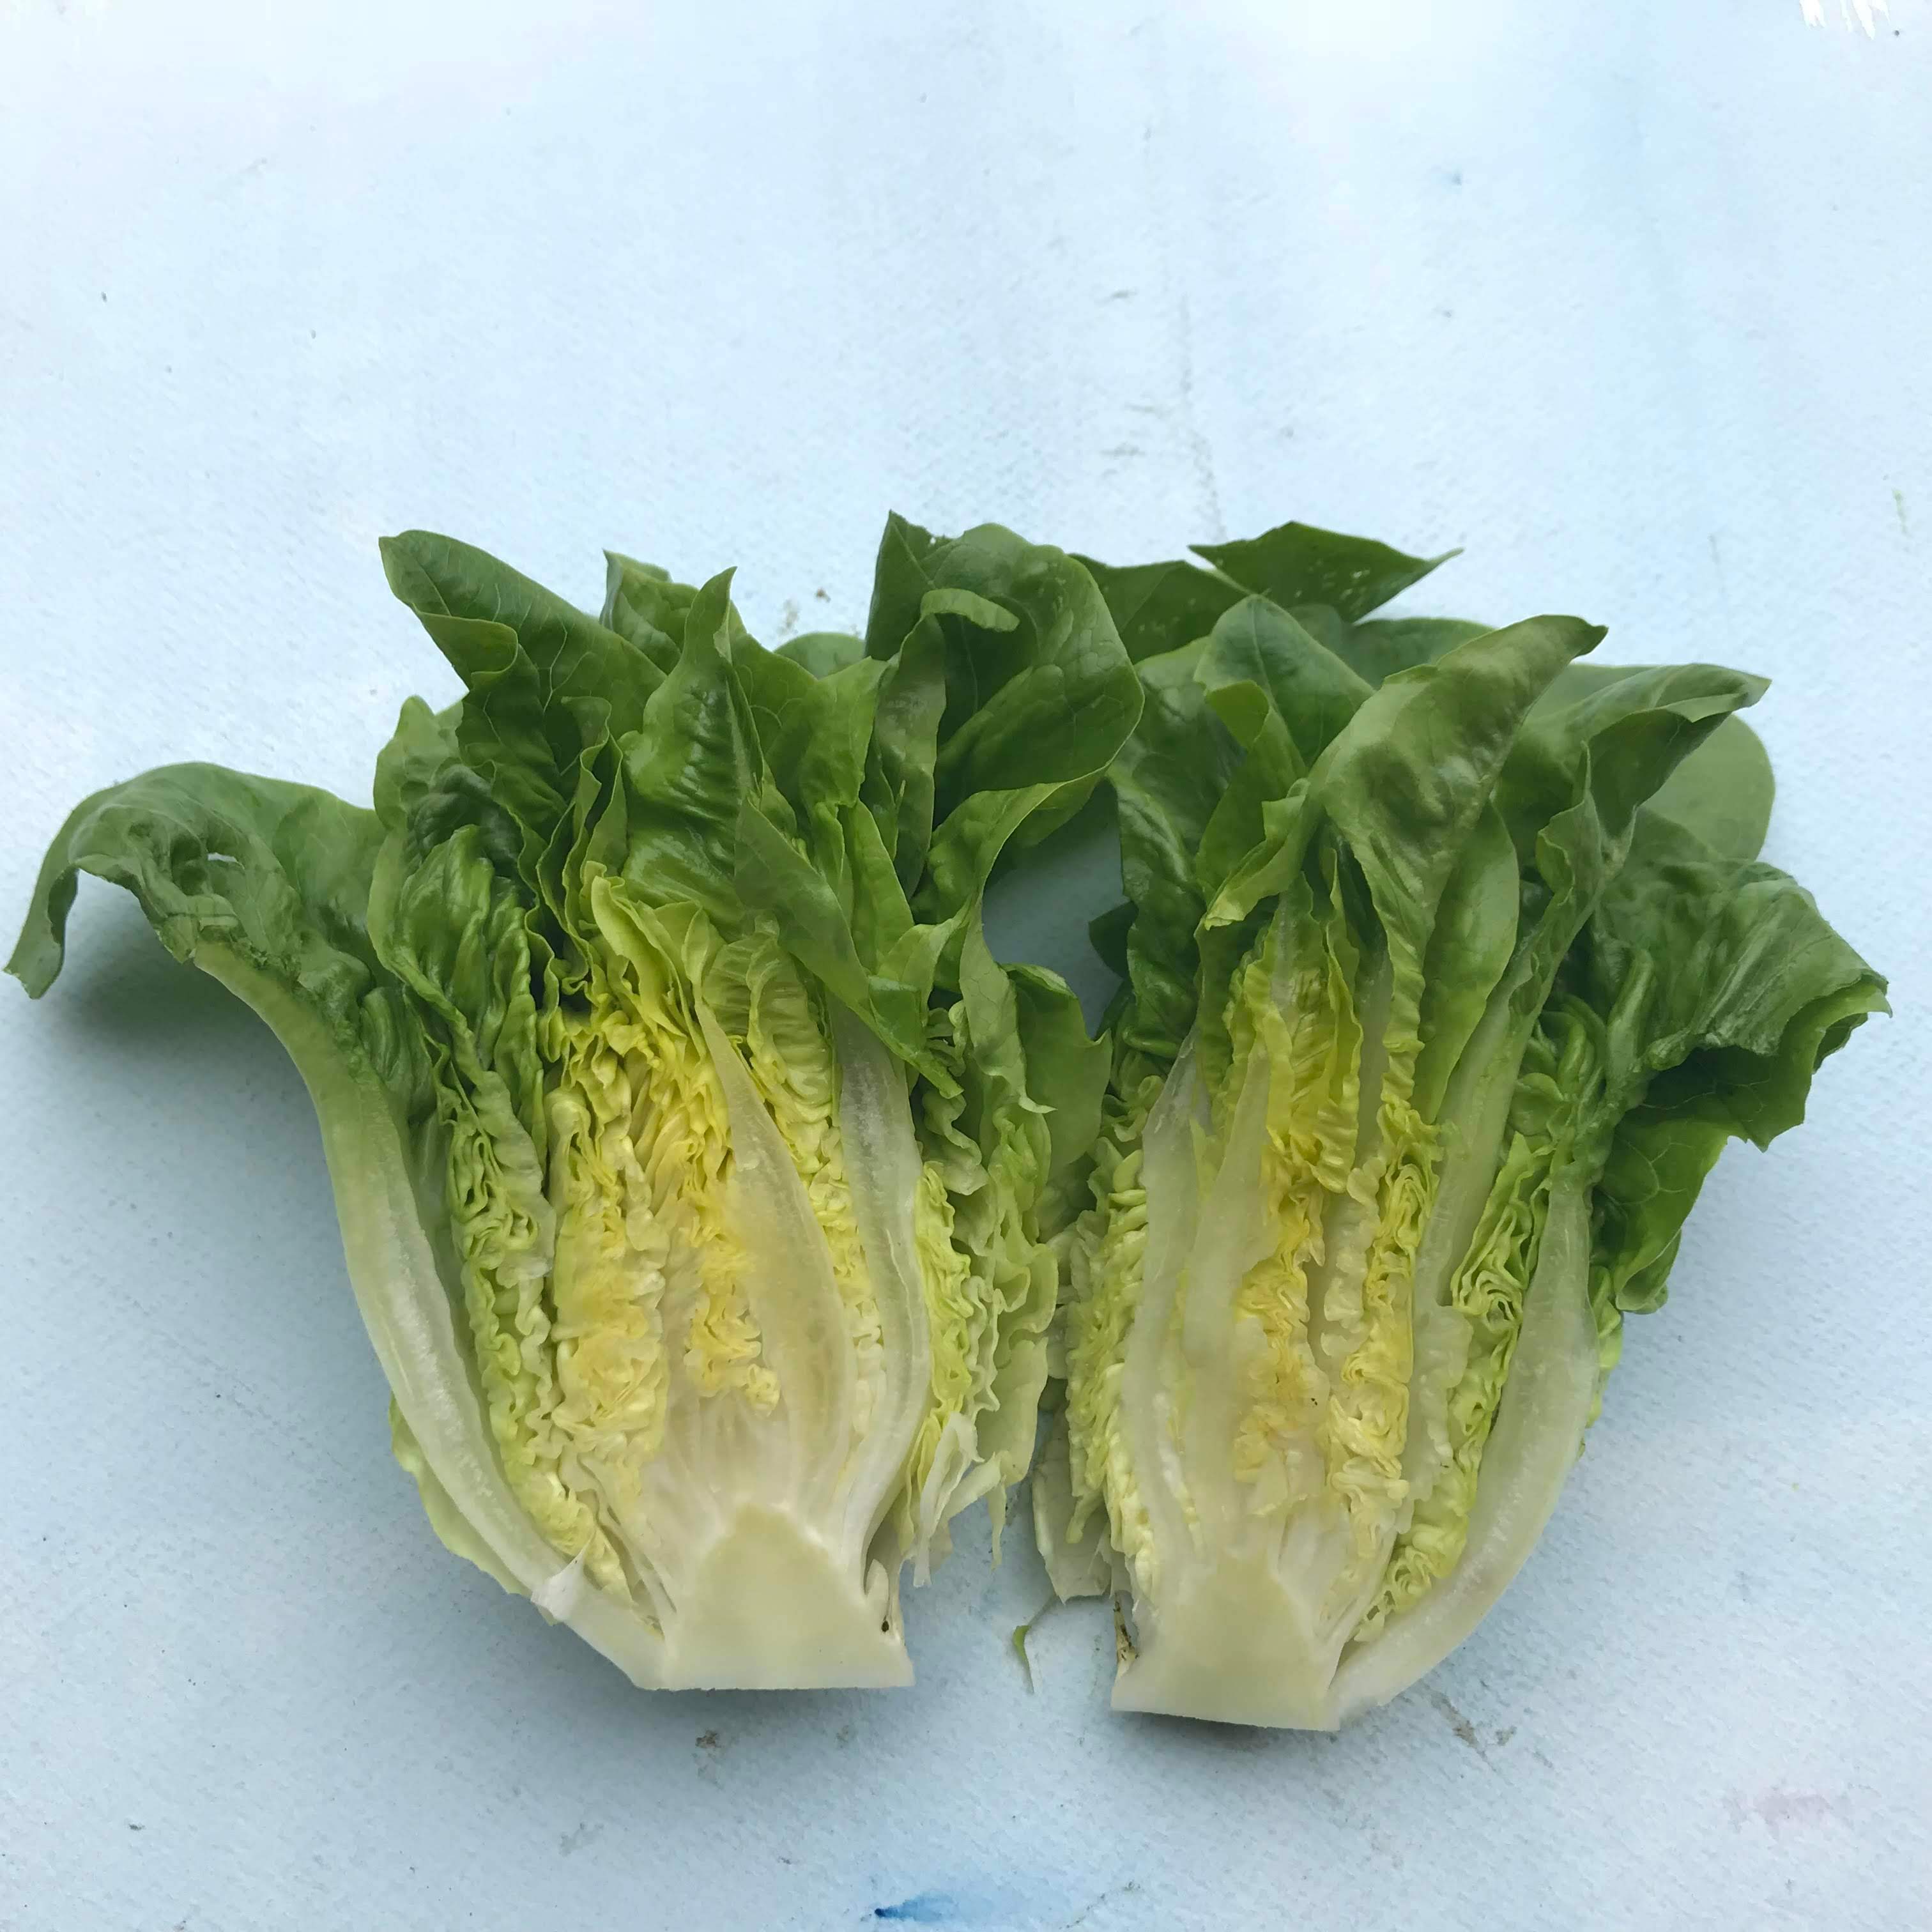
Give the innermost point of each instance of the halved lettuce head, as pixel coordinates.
(1449, 970)
(689, 1144)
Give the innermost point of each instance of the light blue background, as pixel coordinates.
(1634, 300)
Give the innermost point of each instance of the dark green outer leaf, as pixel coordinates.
(1064, 1067)
(905, 747)
(1408, 780)
(813, 730)
(1109, 936)
(573, 655)
(546, 685)
(1295, 563)
(1039, 690)
(1721, 989)
(1168, 780)
(1257, 650)
(278, 875)
(408, 767)
(902, 574)
(822, 652)
(644, 606)
(1469, 951)
(1159, 607)
(1636, 728)
(690, 768)
(1724, 794)
(1384, 645)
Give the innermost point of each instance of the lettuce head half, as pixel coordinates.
(690, 1146)
(1450, 968)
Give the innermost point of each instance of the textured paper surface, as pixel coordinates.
(1633, 300)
